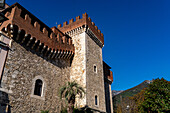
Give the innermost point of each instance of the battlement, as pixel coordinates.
(110, 77)
(21, 22)
(79, 22)
(108, 74)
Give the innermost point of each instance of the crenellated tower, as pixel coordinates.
(87, 65)
(42, 59)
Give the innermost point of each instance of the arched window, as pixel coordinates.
(38, 87)
(96, 100)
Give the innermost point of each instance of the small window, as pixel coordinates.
(95, 68)
(96, 100)
(38, 87)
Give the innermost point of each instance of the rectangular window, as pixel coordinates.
(96, 100)
(95, 68)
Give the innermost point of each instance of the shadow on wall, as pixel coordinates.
(4, 103)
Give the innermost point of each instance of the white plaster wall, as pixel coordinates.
(3, 52)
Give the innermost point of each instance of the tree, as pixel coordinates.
(156, 97)
(69, 92)
(136, 100)
(46, 111)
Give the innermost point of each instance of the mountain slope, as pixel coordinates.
(129, 92)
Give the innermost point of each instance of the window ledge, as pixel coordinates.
(96, 106)
(37, 97)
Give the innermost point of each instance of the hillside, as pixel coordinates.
(115, 92)
(129, 92)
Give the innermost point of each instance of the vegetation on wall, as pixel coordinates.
(76, 110)
(46, 111)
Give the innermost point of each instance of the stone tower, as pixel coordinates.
(87, 65)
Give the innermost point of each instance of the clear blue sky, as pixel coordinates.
(137, 33)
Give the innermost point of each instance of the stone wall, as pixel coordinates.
(108, 97)
(95, 80)
(108, 79)
(87, 55)
(22, 67)
(78, 66)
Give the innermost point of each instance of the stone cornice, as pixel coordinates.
(94, 37)
(86, 29)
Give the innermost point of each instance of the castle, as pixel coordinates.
(35, 61)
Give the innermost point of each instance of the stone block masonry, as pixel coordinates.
(78, 67)
(95, 79)
(87, 55)
(22, 66)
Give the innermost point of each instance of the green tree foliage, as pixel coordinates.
(128, 97)
(75, 110)
(156, 98)
(136, 100)
(69, 92)
(46, 111)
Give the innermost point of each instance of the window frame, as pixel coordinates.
(94, 68)
(42, 96)
(97, 105)
(96, 100)
(38, 87)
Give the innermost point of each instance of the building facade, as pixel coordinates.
(43, 59)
